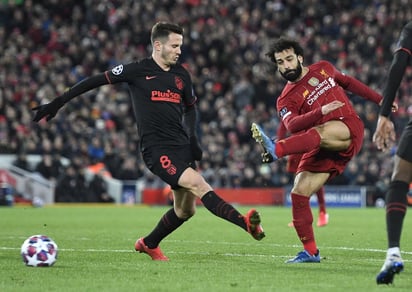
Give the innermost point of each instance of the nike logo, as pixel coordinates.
(150, 77)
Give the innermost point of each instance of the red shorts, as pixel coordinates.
(293, 162)
(331, 161)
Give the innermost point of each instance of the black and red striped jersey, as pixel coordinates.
(158, 99)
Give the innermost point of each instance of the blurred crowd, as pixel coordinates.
(47, 46)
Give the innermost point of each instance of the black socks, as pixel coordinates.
(166, 225)
(396, 206)
(220, 208)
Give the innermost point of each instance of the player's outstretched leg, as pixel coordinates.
(249, 222)
(393, 265)
(267, 144)
(155, 253)
(252, 220)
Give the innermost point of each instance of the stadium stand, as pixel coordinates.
(49, 45)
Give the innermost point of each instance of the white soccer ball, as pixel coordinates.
(39, 251)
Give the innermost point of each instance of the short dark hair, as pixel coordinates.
(282, 44)
(163, 29)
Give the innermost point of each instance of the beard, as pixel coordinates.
(168, 59)
(293, 74)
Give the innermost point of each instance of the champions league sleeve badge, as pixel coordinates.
(117, 70)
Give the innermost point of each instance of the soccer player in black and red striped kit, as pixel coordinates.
(384, 136)
(165, 108)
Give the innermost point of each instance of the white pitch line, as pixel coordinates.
(225, 254)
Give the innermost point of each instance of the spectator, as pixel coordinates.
(65, 49)
(95, 150)
(47, 168)
(71, 186)
(112, 160)
(22, 162)
(130, 170)
(98, 189)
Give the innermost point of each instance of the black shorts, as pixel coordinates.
(169, 162)
(405, 143)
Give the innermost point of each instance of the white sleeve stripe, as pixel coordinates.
(285, 115)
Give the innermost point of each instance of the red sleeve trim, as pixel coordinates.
(409, 52)
(106, 74)
(193, 102)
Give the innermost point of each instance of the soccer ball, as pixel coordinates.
(39, 251)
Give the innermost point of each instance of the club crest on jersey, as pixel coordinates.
(324, 73)
(179, 83)
(313, 81)
(117, 70)
(171, 169)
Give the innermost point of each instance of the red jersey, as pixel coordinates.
(299, 105)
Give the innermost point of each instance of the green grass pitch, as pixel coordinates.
(96, 251)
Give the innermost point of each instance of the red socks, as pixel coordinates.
(300, 143)
(302, 221)
(321, 199)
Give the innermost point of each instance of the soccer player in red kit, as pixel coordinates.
(324, 126)
(291, 167)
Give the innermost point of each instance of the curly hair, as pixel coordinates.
(282, 44)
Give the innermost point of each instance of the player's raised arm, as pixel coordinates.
(49, 110)
(357, 87)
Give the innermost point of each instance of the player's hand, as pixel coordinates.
(330, 107)
(48, 110)
(394, 107)
(196, 149)
(384, 136)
